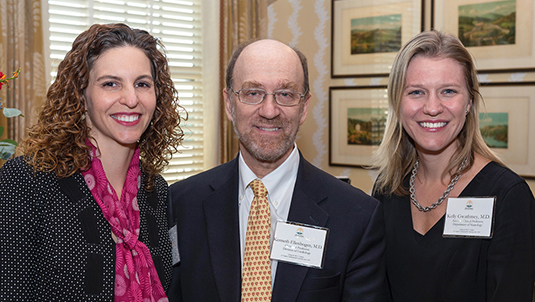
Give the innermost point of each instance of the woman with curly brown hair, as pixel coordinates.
(83, 211)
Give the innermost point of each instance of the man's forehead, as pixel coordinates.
(262, 61)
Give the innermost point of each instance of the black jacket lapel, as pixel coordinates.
(221, 210)
(304, 209)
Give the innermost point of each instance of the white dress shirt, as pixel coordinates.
(280, 186)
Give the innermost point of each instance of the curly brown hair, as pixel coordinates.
(56, 143)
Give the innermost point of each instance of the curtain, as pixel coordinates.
(241, 20)
(21, 46)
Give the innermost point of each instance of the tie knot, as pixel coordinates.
(258, 188)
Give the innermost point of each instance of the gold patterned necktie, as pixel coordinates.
(256, 276)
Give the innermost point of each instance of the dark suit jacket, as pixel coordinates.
(205, 209)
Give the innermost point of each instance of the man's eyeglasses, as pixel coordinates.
(254, 96)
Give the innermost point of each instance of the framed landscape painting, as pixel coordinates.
(357, 118)
(499, 34)
(507, 125)
(367, 34)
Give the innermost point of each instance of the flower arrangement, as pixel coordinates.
(7, 146)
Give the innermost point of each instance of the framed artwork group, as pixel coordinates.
(366, 36)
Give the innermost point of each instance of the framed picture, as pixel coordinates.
(507, 124)
(367, 34)
(357, 118)
(499, 34)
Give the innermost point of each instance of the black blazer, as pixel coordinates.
(56, 244)
(205, 209)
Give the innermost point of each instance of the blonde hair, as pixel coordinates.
(397, 155)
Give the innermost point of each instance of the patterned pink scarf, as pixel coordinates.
(136, 278)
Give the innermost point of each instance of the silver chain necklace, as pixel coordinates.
(444, 195)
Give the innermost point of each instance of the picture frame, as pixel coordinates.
(506, 118)
(488, 29)
(367, 34)
(357, 116)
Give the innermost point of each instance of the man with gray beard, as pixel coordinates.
(311, 238)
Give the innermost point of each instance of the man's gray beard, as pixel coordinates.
(262, 154)
(257, 151)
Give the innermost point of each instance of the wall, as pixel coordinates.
(306, 24)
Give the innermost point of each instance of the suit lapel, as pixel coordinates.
(304, 209)
(221, 212)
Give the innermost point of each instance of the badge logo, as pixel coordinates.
(299, 232)
(469, 205)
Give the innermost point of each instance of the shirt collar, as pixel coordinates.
(274, 180)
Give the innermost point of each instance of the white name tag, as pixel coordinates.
(299, 244)
(470, 217)
(174, 244)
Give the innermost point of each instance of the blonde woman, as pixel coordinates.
(433, 150)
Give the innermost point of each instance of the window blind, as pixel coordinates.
(178, 24)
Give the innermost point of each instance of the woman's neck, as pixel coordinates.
(115, 162)
(432, 167)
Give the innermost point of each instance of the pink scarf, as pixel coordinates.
(136, 278)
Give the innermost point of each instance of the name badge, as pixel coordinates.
(299, 244)
(174, 244)
(470, 217)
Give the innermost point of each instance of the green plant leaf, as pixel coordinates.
(9, 141)
(12, 112)
(7, 148)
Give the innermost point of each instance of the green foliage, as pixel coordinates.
(7, 146)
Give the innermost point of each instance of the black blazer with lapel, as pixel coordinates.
(205, 209)
(56, 244)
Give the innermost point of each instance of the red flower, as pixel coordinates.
(5, 80)
(2, 77)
